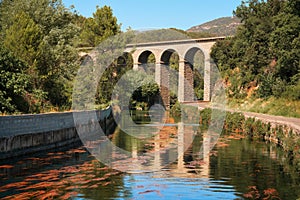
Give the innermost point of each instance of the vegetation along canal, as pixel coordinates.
(236, 168)
(55, 59)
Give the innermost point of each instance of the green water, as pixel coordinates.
(233, 169)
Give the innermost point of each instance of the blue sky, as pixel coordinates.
(139, 14)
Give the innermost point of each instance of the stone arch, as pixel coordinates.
(144, 56)
(205, 69)
(125, 60)
(143, 61)
(162, 75)
(191, 53)
(194, 70)
(166, 55)
(123, 64)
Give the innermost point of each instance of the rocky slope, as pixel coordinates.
(224, 26)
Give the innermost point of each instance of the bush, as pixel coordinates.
(265, 86)
(258, 129)
(205, 117)
(293, 91)
(14, 83)
(233, 122)
(248, 127)
(278, 87)
(175, 110)
(199, 93)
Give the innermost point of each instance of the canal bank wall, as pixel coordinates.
(282, 131)
(24, 134)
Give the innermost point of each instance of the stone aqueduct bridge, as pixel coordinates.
(186, 50)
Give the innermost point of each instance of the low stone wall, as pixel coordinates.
(23, 134)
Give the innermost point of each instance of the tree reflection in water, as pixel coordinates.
(234, 168)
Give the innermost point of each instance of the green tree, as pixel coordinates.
(41, 33)
(285, 44)
(23, 38)
(13, 83)
(265, 50)
(101, 26)
(57, 64)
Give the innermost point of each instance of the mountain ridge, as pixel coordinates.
(223, 26)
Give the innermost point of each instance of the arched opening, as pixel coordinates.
(169, 77)
(146, 57)
(147, 61)
(170, 58)
(111, 76)
(124, 64)
(194, 61)
(146, 95)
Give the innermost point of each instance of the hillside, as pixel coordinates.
(219, 27)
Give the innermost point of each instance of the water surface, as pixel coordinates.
(235, 168)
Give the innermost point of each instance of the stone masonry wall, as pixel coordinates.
(23, 134)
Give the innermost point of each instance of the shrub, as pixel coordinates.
(248, 127)
(234, 122)
(176, 110)
(205, 117)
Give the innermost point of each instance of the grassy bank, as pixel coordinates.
(271, 106)
(254, 129)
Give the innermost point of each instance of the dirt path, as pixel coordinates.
(294, 123)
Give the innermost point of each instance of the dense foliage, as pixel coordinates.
(14, 83)
(40, 40)
(39, 57)
(101, 26)
(262, 59)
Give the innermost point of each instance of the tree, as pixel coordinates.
(265, 49)
(42, 34)
(285, 44)
(101, 26)
(13, 83)
(23, 38)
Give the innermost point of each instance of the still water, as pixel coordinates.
(235, 168)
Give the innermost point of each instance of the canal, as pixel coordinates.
(235, 168)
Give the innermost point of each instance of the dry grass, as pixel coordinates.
(272, 106)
